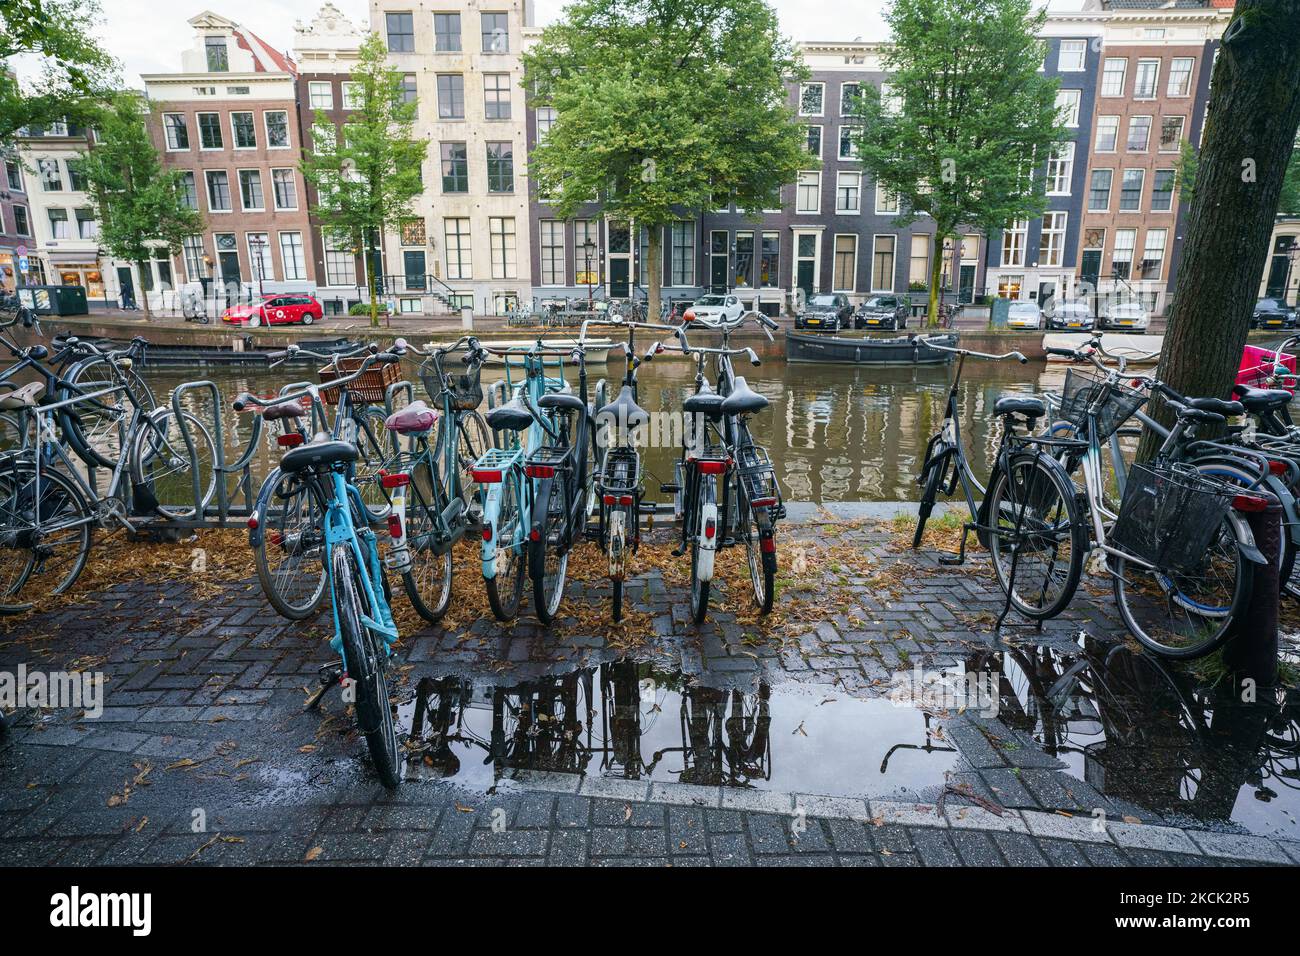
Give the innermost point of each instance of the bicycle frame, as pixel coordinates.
(339, 529)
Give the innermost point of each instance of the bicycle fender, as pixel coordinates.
(263, 493)
(1246, 539)
(491, 511)
(708, 516)
(1290, 517)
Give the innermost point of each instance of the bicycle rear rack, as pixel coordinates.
(759, 478)
(493, 465)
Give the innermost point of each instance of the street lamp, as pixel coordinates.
(588, 248)
(258, 244)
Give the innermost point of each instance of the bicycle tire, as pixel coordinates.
(374, 454)
(24, 563)
(366, 667)
(152, 437)
(429, 578)
(295, 585)
(933, 471)
(549, 575)
(699, 592)
(86, 439)
(504, 601)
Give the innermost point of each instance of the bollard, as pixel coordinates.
(1252, 651)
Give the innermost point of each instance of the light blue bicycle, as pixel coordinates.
(364, 630)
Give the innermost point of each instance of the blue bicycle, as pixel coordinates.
(364, 629)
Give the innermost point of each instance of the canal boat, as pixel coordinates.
(865, 350)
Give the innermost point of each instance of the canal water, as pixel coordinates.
(835, 433)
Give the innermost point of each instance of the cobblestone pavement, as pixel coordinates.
(203, 753)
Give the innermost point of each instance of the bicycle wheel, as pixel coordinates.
(933, 471)
(375, 450)
(548, 565)
(473, 439)
(428, 581)
(706, 493)
(762, 566)
(1038, 542)
(365, 662)
(94, 428)
(160, 461)
(289, 553)
(1185, 615)
(618, 518)
(506, 587)
(36, 564)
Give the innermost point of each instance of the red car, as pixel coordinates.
(276, 310)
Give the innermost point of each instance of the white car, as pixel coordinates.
(1126, 315)
(1024, 315)
(713, 307)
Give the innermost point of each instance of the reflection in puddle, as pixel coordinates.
(1140, 731)
(629, 720)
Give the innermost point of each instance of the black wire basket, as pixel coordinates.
(1117, 402)
(1170, 516)
(466, 389)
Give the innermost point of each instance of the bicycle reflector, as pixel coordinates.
(618, 499)
(390, 481)
(487, 532)
(291, 440)
(712, 466)
(1277, 466)
(710, 529)
(252, 523)
(486, 476)
(1249, 503)
(763, 502)
(395, 526)
(539, 471)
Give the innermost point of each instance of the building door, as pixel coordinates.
(126, 287)
(1276, 285)
(619, 273)
(718, 258)
(413, 266)
(229, 262)
(1090, 267)
(805, 263)
(966, 284)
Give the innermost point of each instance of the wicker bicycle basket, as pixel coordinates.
(370, 387)
(1170, 516)
(466, 389)
(1082, 391)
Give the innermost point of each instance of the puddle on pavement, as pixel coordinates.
(1139, 730)
(629, 720)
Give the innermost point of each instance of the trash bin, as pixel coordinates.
(54, 299)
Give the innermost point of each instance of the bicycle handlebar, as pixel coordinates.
(929, 343)
(247, 399)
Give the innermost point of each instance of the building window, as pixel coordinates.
(277, 129)
(1099, 191)
(1162, 190)
(321, 95)
(545, 120)
(250, 190)
(1153, 254)
(210, 131)
(50, 175)
(1070, 58)
(1171, 133)
(177, 133)
(848, 192)
(76, 178)
(13, 175)
(584, 231)
(744, 260)
(192, 252)
(886, 202)
(1107, 134)
(59, 224)
(1145, 79)
(324, 137)
(218, 190)
(456, 233)
(1051, 248)
(446, 32)
(1113, 72)
(813, 140)
(354, 97)
(285, 188)
(848, 145)
(1130, 190)
(681, 253)
(850, 95)
(918, 271)
(189, 192)
(501, 240)
(455, 168)
(1060, 167)
(451, 96)
(217, 55)
(401, 32)
(812, 99)
(809, 192)
(501, 167)
(412, 231)
(340, 262)
(1139, 134)
(87, 227)
(496, 95)
(495, 28)
(1180, 76)
(1067, 106)
(882, 264)
(1013, 243)
(291, 257)
(22, 226)
(409, 91)
(1009, 286)
(552, 248)
(259, 254)
(241, 125)
(1121, 260)
(769, 262)
(845, 274)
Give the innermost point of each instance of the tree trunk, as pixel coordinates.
(144, 293)
(1248, 141)
(936, 276)
(654, 271)
(373, 258)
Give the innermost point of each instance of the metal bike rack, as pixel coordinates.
(242, 467)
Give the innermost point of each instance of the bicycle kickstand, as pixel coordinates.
(330, 675)
(960, 556)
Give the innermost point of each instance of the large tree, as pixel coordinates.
(366, 177)
(139, 203)
(963, 132)
(1247, 145)
(74, 73)
(664, 106)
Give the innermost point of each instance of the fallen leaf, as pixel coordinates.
(314, 853)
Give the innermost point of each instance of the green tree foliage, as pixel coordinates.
(74, 73)
(367, 175)
(138, 202)
(968, 121)
(1289, 205)
(1185, 171)
(664, 106)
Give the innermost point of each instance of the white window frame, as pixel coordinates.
(821, 139)
(198, 129)
(464, 265)
(800, 186)
(313, 89)
(167, 139)
(1128, 136)
(1131, 250)
(1171, 192)
(1014, 257)
(350, 89)
(266, 128)
(835, 256)
(1119, 205)
(1079, 46)
(1060, 169)
(1110, 189)
(841, 182)
(261, 187)
(234, 140)
(1182, 128)
(301, 259)
(811, 83)
(1163, 233)
(509, 265)
(1051, 242)
(846, 85)
(260, 271)
(1155, 77)
(1114, 131)
(894, 256)
(1191, 70)
(207, 192)
(852, 154)
(882, 207)
(1067, 106)
(544, 225)
(275, 199)
(1123, 76)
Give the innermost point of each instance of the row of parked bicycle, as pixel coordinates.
(1173, 532)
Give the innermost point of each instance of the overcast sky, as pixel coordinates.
(147, 38)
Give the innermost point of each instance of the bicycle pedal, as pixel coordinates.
(670, 489)
(952, 559)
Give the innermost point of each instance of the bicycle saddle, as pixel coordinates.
(1030, 406)
(319, 454)
(705, 402)
(743, 400)
(561, 400)
(1261, 399)
(24, 397)
(282, 410)
(415, 418)
(513, 416)
(624, 410)
(1218, 406)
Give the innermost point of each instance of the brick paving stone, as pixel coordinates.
(976, 849)
(934, 847)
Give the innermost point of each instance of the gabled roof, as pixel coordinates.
(266, 58)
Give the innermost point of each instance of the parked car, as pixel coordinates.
(276, 310)
(717, 306)
(825, 312)
(1124, 315)
(882, 312)
(1024, 315)
(1070, 314)
(1273, 314)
